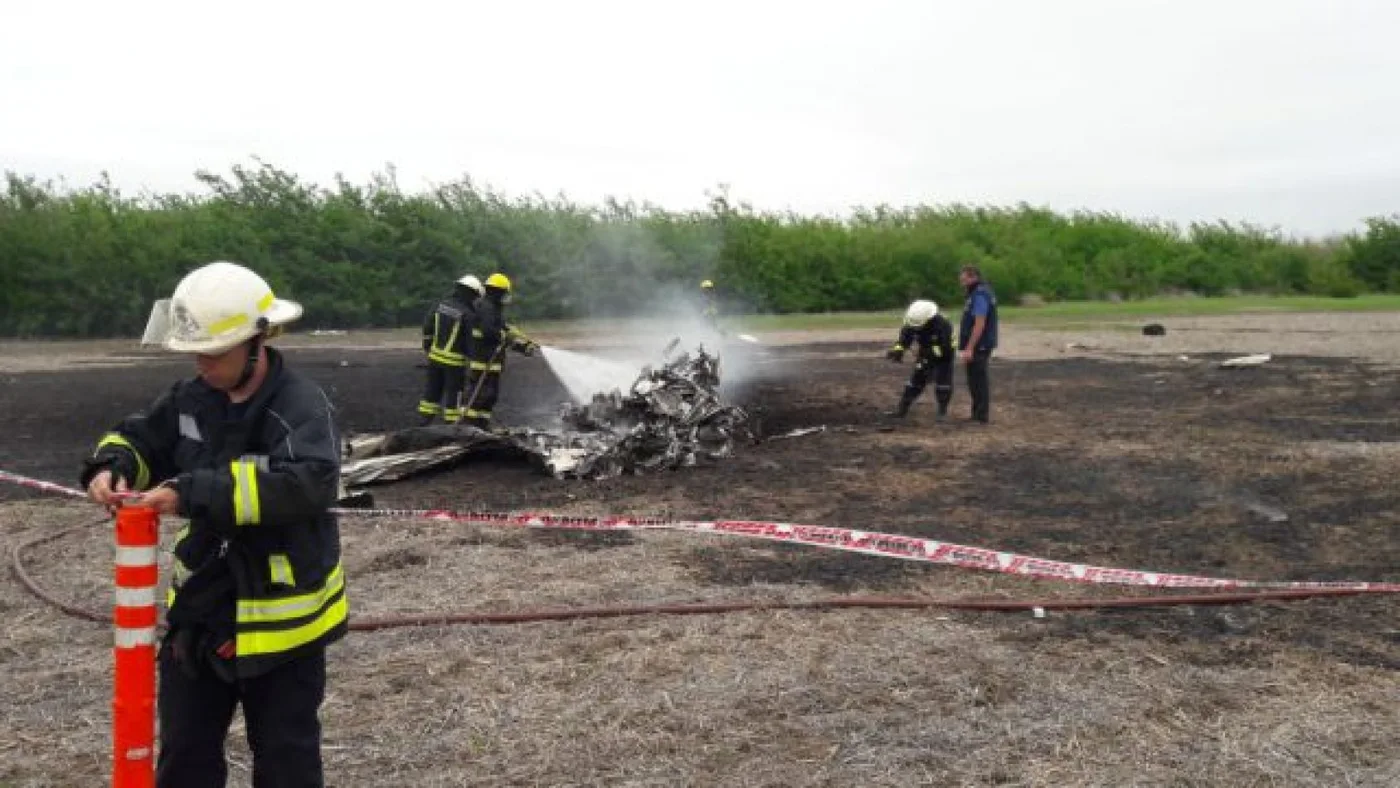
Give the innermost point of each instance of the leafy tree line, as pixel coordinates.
(89, 261)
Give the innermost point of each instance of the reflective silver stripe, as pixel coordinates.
(278, 610)
(136, 556)
(189, 428)
(136, 597)
(128, 637)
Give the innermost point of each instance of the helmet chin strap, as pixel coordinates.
(254, 351)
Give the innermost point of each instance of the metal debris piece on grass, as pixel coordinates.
(800, 432)
(1247, 361)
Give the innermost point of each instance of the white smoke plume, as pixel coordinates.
(636, 297)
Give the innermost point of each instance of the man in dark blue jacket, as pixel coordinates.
(977, 336)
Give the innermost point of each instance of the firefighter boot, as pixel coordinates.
(900, 412)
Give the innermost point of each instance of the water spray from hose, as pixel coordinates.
(584, 375)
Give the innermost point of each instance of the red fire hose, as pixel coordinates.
(376, 623)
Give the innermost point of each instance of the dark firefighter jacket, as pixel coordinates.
(935, 340)
(255, 481)
(447, 331)
(491, 336)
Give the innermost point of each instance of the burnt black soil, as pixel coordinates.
(1158, 465)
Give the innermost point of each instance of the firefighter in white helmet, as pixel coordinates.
(249, 453)
(447, 341)
(934, 333)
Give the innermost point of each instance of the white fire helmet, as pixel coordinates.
(920, 312)
(473, 284)
(219, 306)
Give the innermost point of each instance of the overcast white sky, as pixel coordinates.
(1280, 112)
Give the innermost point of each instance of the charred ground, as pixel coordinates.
(1279, 472)
(1166, 464)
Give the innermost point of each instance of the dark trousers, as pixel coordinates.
(443, 392)
(281, 709)
(478, 410)
(942, 374)
(979, 385)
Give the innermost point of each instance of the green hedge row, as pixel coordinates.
(89, 262)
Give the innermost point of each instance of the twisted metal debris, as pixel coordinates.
(671, 417)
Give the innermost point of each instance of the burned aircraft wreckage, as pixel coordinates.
(671, 417)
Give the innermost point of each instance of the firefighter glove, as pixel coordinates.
(895, 354)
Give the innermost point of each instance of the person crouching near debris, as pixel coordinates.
(491, 337)
(248, 451)
(934, 333)
(446, 336)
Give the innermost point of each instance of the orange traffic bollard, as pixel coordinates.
(133, 689)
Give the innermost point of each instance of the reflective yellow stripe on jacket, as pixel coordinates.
(279, 568)
(179, 573)
(443, 353)
(271, 626)
(143, 472)
(250, 644)
(247, 509)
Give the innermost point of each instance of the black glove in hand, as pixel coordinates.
(895, 354)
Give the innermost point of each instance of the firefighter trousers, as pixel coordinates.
(942, 374)
(281, 710)
(487, 385)
(443, 394)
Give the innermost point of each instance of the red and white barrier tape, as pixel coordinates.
(41, 486)
(908, 548)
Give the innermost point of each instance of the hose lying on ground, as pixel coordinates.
(394, 621)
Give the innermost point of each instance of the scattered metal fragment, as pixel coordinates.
(1270, 513)
(799, 432)
(1246, 361)
(392, 456)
